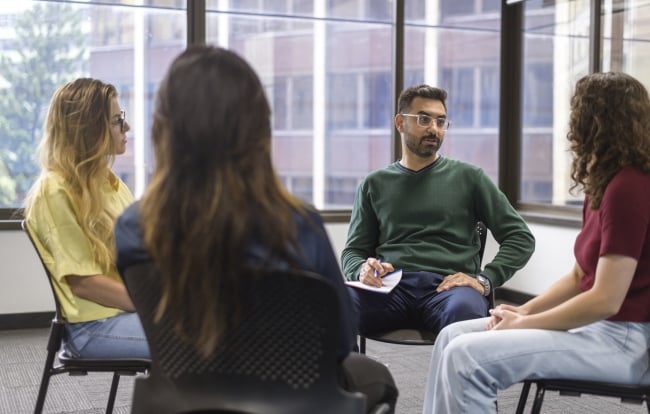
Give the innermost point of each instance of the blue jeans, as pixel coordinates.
(414, 303)
(469, 364)
(120, 336)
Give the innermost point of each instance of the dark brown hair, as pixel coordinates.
(609, 128)
(213, 192)
(420, 91)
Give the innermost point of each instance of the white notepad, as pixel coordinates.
(389, 281)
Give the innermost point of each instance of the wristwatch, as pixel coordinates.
(485, 282)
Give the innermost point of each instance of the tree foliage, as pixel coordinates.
(48, 50)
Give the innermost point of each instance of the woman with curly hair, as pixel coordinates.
(70, 213)
(594, 322)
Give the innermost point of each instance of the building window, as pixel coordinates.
(459, 83)
(342, 98)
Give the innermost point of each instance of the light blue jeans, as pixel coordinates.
(120, 336)
(469, 364)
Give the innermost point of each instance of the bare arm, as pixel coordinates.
(614, 275)
(101, 289)
(559, 292)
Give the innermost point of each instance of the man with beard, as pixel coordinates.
(419, 215)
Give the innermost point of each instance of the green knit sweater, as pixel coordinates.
(426, 220)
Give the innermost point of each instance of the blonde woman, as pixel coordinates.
(71, 211)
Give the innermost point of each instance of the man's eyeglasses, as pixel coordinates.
(120, 121)
(426, 121)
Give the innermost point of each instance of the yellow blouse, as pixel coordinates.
(64, 248)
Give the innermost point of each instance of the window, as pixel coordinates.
(459, 83)
(361, 9)
(53, 42)
(328, 73)
(469, 7)
(341, 190)
(377, 110)
(292, 102)
(280, 106)
(328, 70)
(489, 97)
(556, 55)
(461, 56)
(342, 98)
(457, 7)
(538, 95)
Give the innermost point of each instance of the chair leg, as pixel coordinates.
(42, 393)
(539, 398)
(45, 382)
(112, 393)
(362, 344)
(523, 398)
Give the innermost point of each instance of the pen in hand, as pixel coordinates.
(376, 272)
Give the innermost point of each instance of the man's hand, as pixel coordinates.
(372, 270)
(460, 279)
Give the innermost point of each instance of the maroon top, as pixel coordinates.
(621, 225)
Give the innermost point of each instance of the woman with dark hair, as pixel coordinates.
(594, 322)
(215, 206)
(71, 210)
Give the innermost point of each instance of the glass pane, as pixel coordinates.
(456, 7)
(45, 44)
(378, 111)
(556, 55)
(292, 7)
(379, 10)
(456, 45)
(329, 82)
(626, 37)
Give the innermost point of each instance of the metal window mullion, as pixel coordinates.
(196, 22)
(595, 37)
(398, 70)
(510, 100)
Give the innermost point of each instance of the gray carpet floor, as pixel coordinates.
(22, 354)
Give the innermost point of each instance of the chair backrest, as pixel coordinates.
(481, 229)
(281, 357)
(58, 317)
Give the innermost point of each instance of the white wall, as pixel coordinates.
(25, 289)
(553, 258)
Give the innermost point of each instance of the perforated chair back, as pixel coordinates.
(76, 366)
(280, 358)
(421, 336)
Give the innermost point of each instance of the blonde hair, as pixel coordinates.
(77, 145)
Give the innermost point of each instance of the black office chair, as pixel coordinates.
(77, 366)
(628, 393)
(420, 336)
(280, 358)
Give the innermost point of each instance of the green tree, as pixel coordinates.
(49, 49)
(7, 185)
